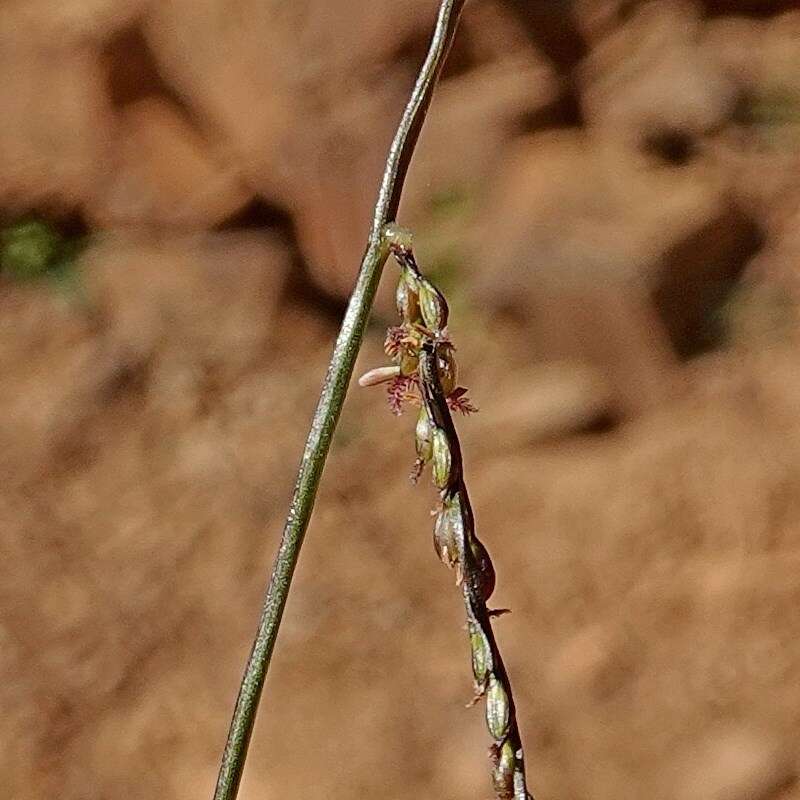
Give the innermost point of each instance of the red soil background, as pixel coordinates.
(609, 192)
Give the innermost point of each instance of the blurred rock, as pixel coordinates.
(475, 114)
(165, 174)
(565, 210)
(650, 85)
(471, 122)
(614, 327)
(169, 319)
(576, 237)
(75, 20)
(263, 74)
(698, 275)
(551, 28)
(324, 97)
(736, 764)
(301, 98)
(598, 18)
(760, 55)
(596, 661)
(766, 309)
(230, 63)
(490, 31)
(43, 345)
(756, 8)
(211, 299)
(54, 122)
(549, 400)
(760, 150)
(335, 181)
(734, 44)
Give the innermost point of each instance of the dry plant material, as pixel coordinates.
(424, 374)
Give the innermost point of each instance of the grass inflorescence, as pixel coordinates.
(424, 374)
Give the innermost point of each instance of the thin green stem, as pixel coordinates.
(326, 416)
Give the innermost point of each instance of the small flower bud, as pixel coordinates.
(409, 361)
(481, 656)
(379, 375)
(397, 237)
(433, 306)
(424, 436)
(407, 298)
(442, 460)
(448, 533)
(443, 540)
(497, 709)
(483, 576)
(503, 772)
(447, 369)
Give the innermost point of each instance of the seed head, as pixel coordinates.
(442, 459)
(423, 434)
(503, 773)
(425, 373)
(498, 710)
(483, 576)
(407, 298)
(433, 306)
(481, 657)
(448, 533)
(447, 369)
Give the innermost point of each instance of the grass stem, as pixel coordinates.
(329, 407)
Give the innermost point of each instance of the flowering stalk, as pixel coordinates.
(424, 374)
(331, 401)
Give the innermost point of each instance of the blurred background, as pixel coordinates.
(609, 193)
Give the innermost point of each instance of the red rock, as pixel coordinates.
(759, 150)
(598, 18)
(75, 20)
(54, 122)
(737, 763)
(265, 75)
(323, 97)
(166, 173)
(576, 238)
(210, 299)
(472, 119)
(547, 401)
(650, 78)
